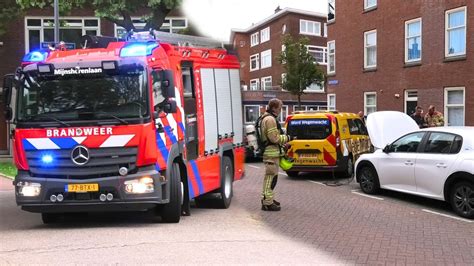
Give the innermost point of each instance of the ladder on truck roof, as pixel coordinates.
(91, 41)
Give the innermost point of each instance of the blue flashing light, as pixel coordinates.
(47, 159)
(35, 56)
(138, 49)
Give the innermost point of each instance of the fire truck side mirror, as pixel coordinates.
(167, 84)
(7, 88)
(8, 113)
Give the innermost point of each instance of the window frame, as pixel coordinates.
(256, 82)
(245, 112)
(283, 120)
(407, 23)
(165, 24)
(420, 144)
(447, 106)
(366, 6)
(454, 135)
(368, 93)
(366, 33)
(446, 31)
(42, 27)
(330, 107)
(254, 39)
(263, 87)
(331, 55)
(257, 60)
(316, 25)
(329, 10)
(265, 33)
(324, 52)
(263, 55)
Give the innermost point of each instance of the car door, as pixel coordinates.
(435, 161)
(396, 167)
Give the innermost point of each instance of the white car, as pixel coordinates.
(436, 163)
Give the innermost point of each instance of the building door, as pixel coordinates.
(411, 101)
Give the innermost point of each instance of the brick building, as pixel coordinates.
(37, 27)
(395, 55)
(258, 48)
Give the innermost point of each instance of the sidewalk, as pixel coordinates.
(5, 184)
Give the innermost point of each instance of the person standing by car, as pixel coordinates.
(273, 138)
(434, 118)
(418, 117)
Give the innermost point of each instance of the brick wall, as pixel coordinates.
(392, 76)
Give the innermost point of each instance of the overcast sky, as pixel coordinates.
(216, 18)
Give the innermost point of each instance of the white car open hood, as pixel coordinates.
(386, 126)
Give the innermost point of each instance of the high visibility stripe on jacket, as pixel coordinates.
(271, 134)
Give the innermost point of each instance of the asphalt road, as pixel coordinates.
(318, 224)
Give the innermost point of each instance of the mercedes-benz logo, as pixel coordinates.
(80, 155)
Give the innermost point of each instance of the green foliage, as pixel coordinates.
(116, 11)
(8, 169)
(300, 67)
(9, 10)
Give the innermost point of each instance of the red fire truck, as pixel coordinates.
(141, 124)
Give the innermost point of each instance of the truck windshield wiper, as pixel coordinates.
(122, 121)
(35, 117)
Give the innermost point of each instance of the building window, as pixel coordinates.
(370, 4)
(283, 113)
(331, 102)
(370, 49)
(267, 83)
(314, 87)
(254, 62)
(40, 31)
(266, 59)
(283, 29)
(332, 57)
(170, 24)
(454, 106)
(370, 102)
(252, 112)
(456, 32)
(411, 101)
(325, 30)
(331, 10)
(413, 40)
(254, 84)
(265, 35)
(254, 39)
(310, 27)
(309, 108)
(319, 53)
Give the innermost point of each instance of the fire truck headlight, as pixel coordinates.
(139, 186)
(45, 68)
(47, 159)
(27, 189)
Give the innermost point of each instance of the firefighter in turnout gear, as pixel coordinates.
(274, 138)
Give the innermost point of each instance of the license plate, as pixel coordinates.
(81, 188)
(308, 155)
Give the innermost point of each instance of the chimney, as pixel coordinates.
(278, 9)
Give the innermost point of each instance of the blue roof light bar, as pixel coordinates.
(138, 49)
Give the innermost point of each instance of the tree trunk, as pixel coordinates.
(299, 101)
(157, 18)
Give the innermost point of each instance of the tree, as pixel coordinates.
(116, 11)
(8, 11)
(300, 67)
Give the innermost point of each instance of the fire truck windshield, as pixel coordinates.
(53, 98)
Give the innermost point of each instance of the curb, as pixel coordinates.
(7, 177)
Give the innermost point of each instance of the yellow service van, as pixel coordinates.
(326, 141)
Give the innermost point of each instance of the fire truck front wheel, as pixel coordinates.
(171, 212)
(227, 180)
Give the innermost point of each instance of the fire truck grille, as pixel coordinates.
(103, 162)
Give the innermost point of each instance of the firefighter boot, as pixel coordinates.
(272, 207)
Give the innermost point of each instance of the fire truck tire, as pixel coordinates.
(227, 181)
(49, 218)
(171, 212)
